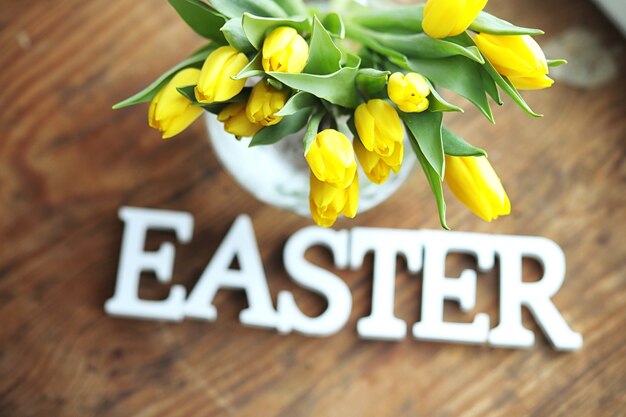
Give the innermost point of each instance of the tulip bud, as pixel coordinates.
(409, 92)
(236, 122)
(171, 112)
(264, 102)
(474, 182)
(327, 202)
(284, 50)
(517, 57)
(216, 84)
(377, 168)
(331, 158)
(444, 18)
(379, 127)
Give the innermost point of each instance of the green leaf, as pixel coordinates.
(487, 23)
(253, 69)
(292, 7)
(233, 32)
(364, 36)
(334, 23)
(324, 56)
(509, 89)
(201, 18)
(457, 146)
(236, 8)
(553, 63)
(256, 27)
(438, 103)
(194, 61)
(459, 75)
(371, 81)
(288, 126)
(434, 180)
(491, 88)
(189, 93)
(297, 102)
(337, 88)
(426, 129)
(423, 46)
(312, 130)
(402, 19)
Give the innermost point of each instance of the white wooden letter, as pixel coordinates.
(316, 279)
(437, 287)
(534, 295)
(134, 260)
(240, 242)
(386, 244)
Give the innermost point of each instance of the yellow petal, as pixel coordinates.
(441, 17)
(352, 200)
(170, 112)
(531, 83)
(215, 83)
(284, 50)
(365, 126)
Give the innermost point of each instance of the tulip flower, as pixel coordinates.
(474, 182)
(409, 92)
(170, 112)
(331, 159)
(377, 168)
(236, 122)
(517, 57)
(264, 102)
(284, 50)
(327, 202)
(379, 127)
(444, 18)
(215, 83)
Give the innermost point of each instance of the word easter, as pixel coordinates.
(425, 250)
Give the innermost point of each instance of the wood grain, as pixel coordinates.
(68, 162)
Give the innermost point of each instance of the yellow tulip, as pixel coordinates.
(331, 159)
(170, 112)
(377, 168)
(409, 92)
(517, 57)
(264, 102)
(474, 182)
(379, 127)
(216, 84)
(236, 122)
(284, 50)
(443, 18)
(328, 202)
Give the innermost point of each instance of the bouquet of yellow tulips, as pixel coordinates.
(272, 68)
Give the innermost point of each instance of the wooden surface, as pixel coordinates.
(67, 163)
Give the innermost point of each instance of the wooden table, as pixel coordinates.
(68, 162)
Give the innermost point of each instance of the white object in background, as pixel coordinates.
(591, 64)
(278, 174)
(386, 244)
(616, 11)
(317, 279)
(349, 248)
(134, 260)
(536, 296)
(437, 287)
(239, 243)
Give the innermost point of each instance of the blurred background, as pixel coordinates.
(68, 163)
